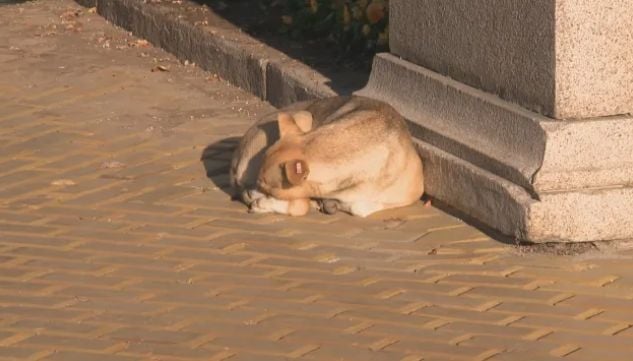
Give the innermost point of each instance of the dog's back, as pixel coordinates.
(360, 147)
(367, 143)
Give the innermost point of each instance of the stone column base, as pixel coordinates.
(528, 176)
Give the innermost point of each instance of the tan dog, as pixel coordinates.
(361, 155)
(249, 155)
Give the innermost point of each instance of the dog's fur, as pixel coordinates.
(249, 155)
(357, 151)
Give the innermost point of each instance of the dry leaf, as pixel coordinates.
(141, 43)
(69, 14)
(159, 68)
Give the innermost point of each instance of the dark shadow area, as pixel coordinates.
(216, 158)
(9, 2)
(347, 73)
(473, 222)
(522, 246)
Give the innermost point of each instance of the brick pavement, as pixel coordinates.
(115, 245)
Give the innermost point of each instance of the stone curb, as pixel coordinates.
(196, 34)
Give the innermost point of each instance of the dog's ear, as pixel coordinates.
(287, 125)
(297, 171)
(303, 119)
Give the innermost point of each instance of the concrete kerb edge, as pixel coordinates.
(234, 56)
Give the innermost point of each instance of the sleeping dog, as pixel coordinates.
(353, 153)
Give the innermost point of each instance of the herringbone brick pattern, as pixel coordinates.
(118, 241)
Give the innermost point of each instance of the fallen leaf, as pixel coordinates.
(141, 43)
(159, 68)
(69, 14)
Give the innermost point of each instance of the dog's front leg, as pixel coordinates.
(295, 207)
(251, 195)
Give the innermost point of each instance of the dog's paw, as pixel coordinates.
(329, 206)
(251, 195)
(263, 205)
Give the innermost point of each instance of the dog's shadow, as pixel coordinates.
(216, 158)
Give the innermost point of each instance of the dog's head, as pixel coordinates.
(285, 165)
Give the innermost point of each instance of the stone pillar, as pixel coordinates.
(521, 110)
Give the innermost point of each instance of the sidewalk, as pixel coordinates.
(118, 243)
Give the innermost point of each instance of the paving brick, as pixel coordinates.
(69, 161)
(585, 354)
(96, 291)
(33, 239)
(21, 286)
(258, 345)
(531, 308)
(62, 264)
(163, 352)
(507, 344)
(114, 319)
(201, 232)
(524, 355)
(590, 342)
(119, 247)
(14, 217)
(54, 326)
(248, 356)
(39, 312)
(17, 352)
(80, 222)
(85, 356)
(208, 255)
(566, 324)
(538, 295)
(471, 328)
(66, 342)
(460, 314)
(118, 243)
(357, 315)
(413, 331)
(438, 349)
(6, 228)
(299, 320)
(336, 352)
(141, 335)
(31, 300)
(240, 313)
(47, 252)
(151, 277)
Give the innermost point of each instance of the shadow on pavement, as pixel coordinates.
(216, 158)
(8, 2)
(346, 75)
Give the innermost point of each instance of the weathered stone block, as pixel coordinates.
(524, 174)
(561, 58)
